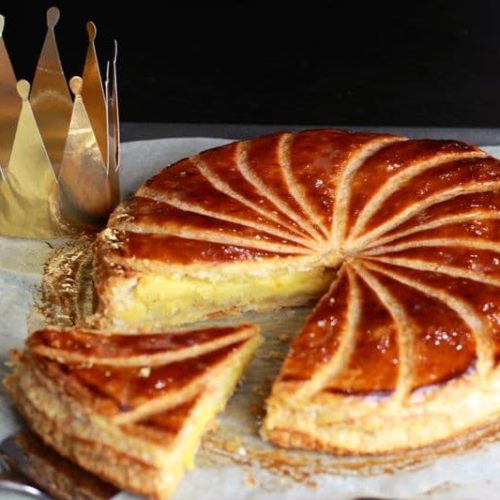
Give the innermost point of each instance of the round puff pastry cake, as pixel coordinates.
(401, 238)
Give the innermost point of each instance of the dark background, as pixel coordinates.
(408, 63)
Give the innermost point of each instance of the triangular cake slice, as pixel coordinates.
(129, 408)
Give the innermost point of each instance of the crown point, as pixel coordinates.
(53, 15)
(2, 24)
(23, 89)
(115, 53)
(76, 84)
(91, 30)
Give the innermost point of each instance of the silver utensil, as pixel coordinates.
(10, 480)
(30, 467)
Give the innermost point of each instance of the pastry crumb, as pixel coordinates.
(275, 355)
(250, 480)
(232, 445)
(259, 391)
(213, 426)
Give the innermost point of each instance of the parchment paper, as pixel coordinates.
(236, 473)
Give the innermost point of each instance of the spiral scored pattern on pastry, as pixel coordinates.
(409, 328)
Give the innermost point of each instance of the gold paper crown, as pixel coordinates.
(59, 158)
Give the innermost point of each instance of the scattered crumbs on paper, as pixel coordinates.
(311, 484)
(250, 480)
(231, 445)
(440, 488)
(256, 410)
(213, 426)
(259, 391)
(275, 355)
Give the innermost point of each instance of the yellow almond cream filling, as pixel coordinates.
(183, 299)
(208, 408)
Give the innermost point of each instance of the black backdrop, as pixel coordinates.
(434, 63)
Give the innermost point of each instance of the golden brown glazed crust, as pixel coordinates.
(122, 375)
(129, 408)
(415, 224)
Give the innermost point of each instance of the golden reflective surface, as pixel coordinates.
(28, 195)
(83, 179)
(93, 93)
(50, 98)
(10, 104)
(58, 158)
(113, 130)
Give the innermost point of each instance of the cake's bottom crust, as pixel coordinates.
(371, 425)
